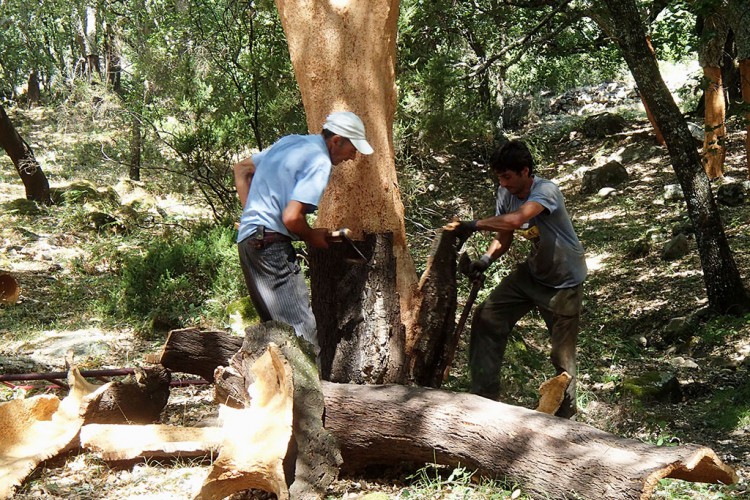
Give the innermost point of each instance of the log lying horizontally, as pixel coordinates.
(550, 456)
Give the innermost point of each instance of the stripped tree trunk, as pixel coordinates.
(745, 75)
(343, 54)
(714, 148)
(715, 31)
(34, 180)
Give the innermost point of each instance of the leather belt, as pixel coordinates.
(268, 238)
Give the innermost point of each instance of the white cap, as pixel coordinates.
(347, 124)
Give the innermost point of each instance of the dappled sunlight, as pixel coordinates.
(597, 262)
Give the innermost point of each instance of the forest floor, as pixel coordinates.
(631, 299)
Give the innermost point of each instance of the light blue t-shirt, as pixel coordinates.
(557, 258)
(296, 167)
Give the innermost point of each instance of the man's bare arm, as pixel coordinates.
(295, 221)
(512, 221)
(243, 177)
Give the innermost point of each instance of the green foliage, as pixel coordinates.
(673, 32)
(176, 283)
(436, 481)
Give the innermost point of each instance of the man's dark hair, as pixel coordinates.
(327, 134)
(514, 156)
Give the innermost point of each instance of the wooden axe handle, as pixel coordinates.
(340, 234)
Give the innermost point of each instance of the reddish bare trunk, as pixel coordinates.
(714, 150)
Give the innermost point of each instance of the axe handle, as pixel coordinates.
(340, 234)
(476, 285)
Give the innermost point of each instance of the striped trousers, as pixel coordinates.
(277, 286)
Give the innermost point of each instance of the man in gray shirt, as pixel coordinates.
(550, 279)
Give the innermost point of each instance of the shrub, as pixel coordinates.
(177, 283)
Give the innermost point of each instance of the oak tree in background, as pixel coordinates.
(621, 19)
(34, 180)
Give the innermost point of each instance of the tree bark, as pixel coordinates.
(394, 424)
(714, 143)
(714, 35)
(649, 114)
(551, 457)
(745, 75)
(203, 351)
(34, 180)
(357, 310)
(724, 287)
(343, 54)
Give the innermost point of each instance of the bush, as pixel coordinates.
(178, 283)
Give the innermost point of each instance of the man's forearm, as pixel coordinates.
(243, 177)
(499, 245)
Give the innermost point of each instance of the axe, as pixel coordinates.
(476, 285)
(344, 235)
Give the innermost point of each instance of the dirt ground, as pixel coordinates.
(641, 295)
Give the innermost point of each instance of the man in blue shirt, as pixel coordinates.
(550, 279)
(278, 187)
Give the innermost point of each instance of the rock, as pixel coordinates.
(677, 330)
(603, 125)
(606, 192)
(515, 112)
(654, 386)
(610, 175)
(638, 249)
(731, 195)
(672, 192)
(685, 227)
(676, 248)
(697, 132)
(680, 362)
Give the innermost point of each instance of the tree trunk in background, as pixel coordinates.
(714, 144)
(34, 180)
(714, 36)
(112, 66)
(649, 114)
(136, 140)
(343, 54)
(745, 75)
(33, 92)
(739, 17)
(724, 287)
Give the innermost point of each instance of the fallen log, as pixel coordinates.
(125, 442)
(313, 458)
(550, 456)
(252, 454)
(202, 350)
(388, 424)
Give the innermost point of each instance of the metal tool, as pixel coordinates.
(476, 285)
(345, 235)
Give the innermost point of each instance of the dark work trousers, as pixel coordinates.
(277, 286)
(494, 319)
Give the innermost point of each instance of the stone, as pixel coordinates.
(611, 174)
(731, 195)
(657, 386)
(676, 248)
(602, 125)
(672, 192)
